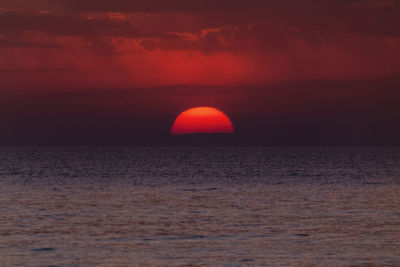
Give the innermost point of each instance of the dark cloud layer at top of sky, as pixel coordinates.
(205, 6)
(379, 17)
(12, 22)
(371, 16)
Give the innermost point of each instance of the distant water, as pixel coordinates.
(199, 206)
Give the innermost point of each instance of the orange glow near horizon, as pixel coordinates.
(202, 120)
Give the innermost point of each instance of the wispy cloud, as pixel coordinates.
(10, 71)
(9, 43)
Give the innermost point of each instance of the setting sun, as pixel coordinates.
(202, 120)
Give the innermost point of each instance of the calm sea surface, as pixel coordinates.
(199, 206)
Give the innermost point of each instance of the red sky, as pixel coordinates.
(121, 60)
(127, 44)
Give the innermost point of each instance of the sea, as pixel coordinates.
(199, 206)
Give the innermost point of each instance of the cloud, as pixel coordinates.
(145, 43)
(13, 22)
(206, 6)
(358, 16)
(84, 18)
(26, 4)
(9, 43)
(377, 17)
(38, 70)
(235, 39)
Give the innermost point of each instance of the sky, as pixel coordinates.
(287, 72)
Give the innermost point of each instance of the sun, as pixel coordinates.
(202, 120)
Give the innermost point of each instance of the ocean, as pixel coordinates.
(199, 206)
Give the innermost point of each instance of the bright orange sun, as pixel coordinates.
(202, 120)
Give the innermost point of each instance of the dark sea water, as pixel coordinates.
(199, 206)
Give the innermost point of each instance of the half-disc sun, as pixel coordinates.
(202, 120)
